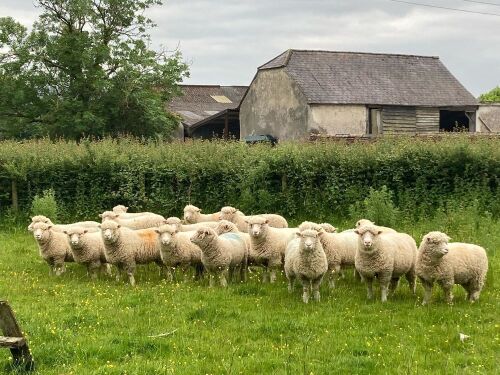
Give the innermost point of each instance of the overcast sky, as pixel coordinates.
(225, 40)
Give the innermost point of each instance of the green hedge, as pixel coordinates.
(319, 180)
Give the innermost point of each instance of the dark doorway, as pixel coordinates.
(453, 121)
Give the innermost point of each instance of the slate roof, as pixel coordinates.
(330, 77)
(199, 102)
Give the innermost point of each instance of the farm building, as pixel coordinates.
(302, 92)
(488, 118)
(208, 111)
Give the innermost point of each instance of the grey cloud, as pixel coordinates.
(225, 40)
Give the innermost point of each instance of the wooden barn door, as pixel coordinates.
(399, 120)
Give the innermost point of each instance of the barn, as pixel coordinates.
(304, 92)
(208, 111)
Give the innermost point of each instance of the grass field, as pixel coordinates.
(77, 326)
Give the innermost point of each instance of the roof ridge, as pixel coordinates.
(363, 53)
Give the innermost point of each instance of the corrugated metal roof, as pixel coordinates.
(199, 102)
(331, 77)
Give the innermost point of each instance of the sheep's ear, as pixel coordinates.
(234, 210)
(198, 210)
(334, 230)
(65, 231)
(356, 231)
(379, 232)
(100, 215)
(157, 230)
(298, 234)
(357, 223)
(429, 239)
(49, 227)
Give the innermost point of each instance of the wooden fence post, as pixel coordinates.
(15, 201)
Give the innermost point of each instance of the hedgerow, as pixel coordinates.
(297, 179)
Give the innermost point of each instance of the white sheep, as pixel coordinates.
(362, 222)
(340, 250)
(193, 215)
(177, 250)
(225, 226)
(305, 260)
(268, 245)
(235, 216)
(221, 254)
(140, 222)
(53, 246)
(88, 249)
(125, 248)
(175, 221)
(387, 256)
(92, 226)
(449, 264)
(122, 211)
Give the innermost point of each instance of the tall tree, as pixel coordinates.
(86, 68)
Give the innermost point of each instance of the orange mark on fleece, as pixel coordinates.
(148, 235)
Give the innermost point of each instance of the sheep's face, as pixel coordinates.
(225, 226)
(436, 244)
(308, 239)
(167, 234)
(228, 213)
(75, 235)
(191, 214)
(120, 209)
(110, 231)
(41, 231)
(368, 235)
(108, 215)
(363, 222)
(257, 226)
(203, 235)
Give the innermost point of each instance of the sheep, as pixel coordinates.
(306, 260)
(340, 249)
(386, 256)
(92, 226)
(233, 215)
(125, 248)
(449, 264)
(140, 222)
(88, 249)
(362, 222)
(328, 228)
(268, 245)
(178, 251)
(175, 221)
(220, 254)
(122, 211)
(53, 246)
(193, 215)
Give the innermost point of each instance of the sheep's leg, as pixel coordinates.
(428, 291)
(230, 277)
(222, 278)
(369, 287)
(473, 291)
(130, 273)
(412, 278)
(357, 275)
(393, 285)
(291, 283)
(199, 272)
(384, 281)
(105, 268)
(92, 269)
(169, 274)
(59, 268)
(333, 276)
(272, 275)
(244, 270)
(447, 286)
(211, 280)
(119, 270)
(315, 288)
(306, 289)
(265, 275)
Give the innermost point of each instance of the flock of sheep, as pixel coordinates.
(225, 244)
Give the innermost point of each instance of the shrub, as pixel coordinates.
(45, 204)
(377, 207)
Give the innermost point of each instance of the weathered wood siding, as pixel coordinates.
(399, 120)
(427, 120)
